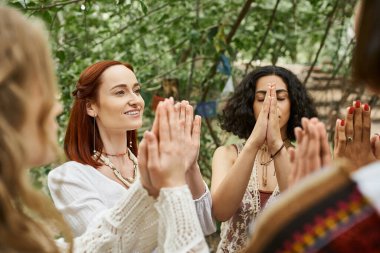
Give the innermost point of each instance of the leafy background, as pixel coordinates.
(184, 40)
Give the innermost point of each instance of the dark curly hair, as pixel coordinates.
(238, 117)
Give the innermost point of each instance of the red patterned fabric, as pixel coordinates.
(326, 214)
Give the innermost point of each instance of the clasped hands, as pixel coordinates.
(171, 148)
(267, 127)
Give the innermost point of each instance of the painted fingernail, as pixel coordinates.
(342, 122)
(351, 110)
(357, 103)
(366, 107)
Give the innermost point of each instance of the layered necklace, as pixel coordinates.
(265, 160)
(127, 181)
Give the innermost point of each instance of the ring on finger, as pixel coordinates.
(350, 139)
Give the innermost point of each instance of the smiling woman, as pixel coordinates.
(82, 136)
(108, 107)
(28, 138)
(101, 144)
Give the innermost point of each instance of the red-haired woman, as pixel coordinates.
(101, 145)
(28, 138)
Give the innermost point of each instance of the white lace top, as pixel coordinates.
(235, 231)
(84, 196)
(123, 228)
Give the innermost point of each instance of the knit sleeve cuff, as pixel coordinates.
(179, 228)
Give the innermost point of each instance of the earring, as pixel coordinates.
(94, 151)
(130, 139)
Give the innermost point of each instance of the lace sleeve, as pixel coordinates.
(120, 228)
(179, 228)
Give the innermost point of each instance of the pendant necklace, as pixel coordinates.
(126, 181)
(264, 165)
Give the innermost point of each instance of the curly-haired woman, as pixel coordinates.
(264, 110)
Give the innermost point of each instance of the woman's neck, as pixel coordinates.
(114, 142)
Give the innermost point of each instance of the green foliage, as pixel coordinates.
(181, 39)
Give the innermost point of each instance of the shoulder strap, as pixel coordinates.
(238, 146)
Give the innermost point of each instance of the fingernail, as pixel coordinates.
(342, 122)
(366, 107)
(351, 110)
(357, 103)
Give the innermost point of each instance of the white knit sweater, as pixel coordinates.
(95, 204)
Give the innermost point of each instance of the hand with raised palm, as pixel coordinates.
(143, 163)
(273, 136)
(192, 132)
(352, 136)
(312, 151)
(259, 132)
(375, 146)
(164, 165)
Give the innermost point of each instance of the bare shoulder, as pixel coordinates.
(227, 154)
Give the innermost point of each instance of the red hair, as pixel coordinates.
(79, 138)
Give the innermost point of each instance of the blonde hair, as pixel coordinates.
(25, 65)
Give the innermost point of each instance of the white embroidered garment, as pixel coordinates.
(179, 228)
(81, 193)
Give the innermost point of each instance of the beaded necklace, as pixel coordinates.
(126, 181)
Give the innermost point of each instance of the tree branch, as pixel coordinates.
(192, 67)
(131, 23)
(229, 37)
(327, 30)
(269, 27)
(49, 6)
(178, 66)
(240, 18)
(346, 53)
